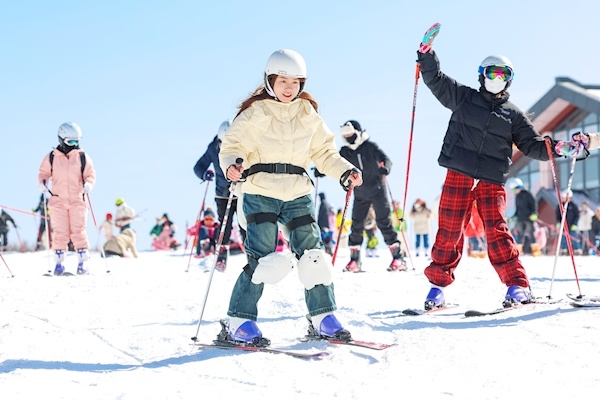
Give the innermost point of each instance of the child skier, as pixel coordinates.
(68, 174)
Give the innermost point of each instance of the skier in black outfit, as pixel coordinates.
(5, 218)
(323, 222)
(374, 165)
(525, 214)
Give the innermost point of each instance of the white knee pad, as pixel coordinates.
(314, 268)
(272, 268)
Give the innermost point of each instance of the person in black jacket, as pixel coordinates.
(325, 210)
(572, 219)
(375, 166)
(477, 151)
(211, 156)
(596, 230)
(5, 218)
(525, 215)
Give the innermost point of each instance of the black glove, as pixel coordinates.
(208, 175)
(384, 170)
(318, 174)
(345, 179)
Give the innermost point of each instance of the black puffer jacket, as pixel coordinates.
(367, 157)
(482, 128)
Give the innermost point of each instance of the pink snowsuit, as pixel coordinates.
(67, 205)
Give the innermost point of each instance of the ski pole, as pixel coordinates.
(3, 260)
(238, 165)
(563, 210)
(198, 218)
(341, 227)
(98, 231)
(47, 233)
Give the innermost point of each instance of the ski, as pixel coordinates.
(476, 313)
(417, 311)
(249, 348)
(584, 298)
(63, 274)
(358, 343)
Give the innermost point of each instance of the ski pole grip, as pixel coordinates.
(239, 160)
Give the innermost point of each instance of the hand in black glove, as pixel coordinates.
(318, 174)
(208, 175)
(384, 170)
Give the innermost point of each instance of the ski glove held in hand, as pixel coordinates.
(87, 187)
(563, 148)
(208, 175)
(384, 170)
(345, 180)
(580, 138)
(43, 188)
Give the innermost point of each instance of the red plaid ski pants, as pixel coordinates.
(456, 202)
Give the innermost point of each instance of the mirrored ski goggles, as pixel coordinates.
(72, 142)
(494, 71)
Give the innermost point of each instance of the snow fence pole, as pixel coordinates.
(198, 218)
(563, 210)
(238, 163)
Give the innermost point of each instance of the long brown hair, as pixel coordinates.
(261, 94)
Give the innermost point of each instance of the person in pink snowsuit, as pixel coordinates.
(67, 174)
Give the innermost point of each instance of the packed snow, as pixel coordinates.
(124, 332)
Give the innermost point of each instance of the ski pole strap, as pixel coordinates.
(276, 168)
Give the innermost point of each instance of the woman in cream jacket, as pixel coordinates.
(276, 135)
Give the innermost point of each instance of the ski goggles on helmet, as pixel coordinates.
(71, 142)
(494, 71)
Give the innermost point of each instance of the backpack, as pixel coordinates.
(81, 157)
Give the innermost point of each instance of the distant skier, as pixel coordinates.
(5, 218)
(375, 165)
(211, 156)
(68, 174)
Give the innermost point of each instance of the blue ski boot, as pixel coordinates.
(327, 327)
(82, 255)
(434, 299)
(516, 295)
(245, 331)
(59, 257)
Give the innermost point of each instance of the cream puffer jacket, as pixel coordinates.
(273, 132)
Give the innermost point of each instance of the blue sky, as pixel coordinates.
(150, 82)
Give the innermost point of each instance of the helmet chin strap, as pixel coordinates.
(271, 92)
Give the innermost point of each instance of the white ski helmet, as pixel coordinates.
(499, 61)
(285, 62)
(516, 184)
(69, 130)
(223, 129)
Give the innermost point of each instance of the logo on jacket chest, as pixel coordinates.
(503, 114)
